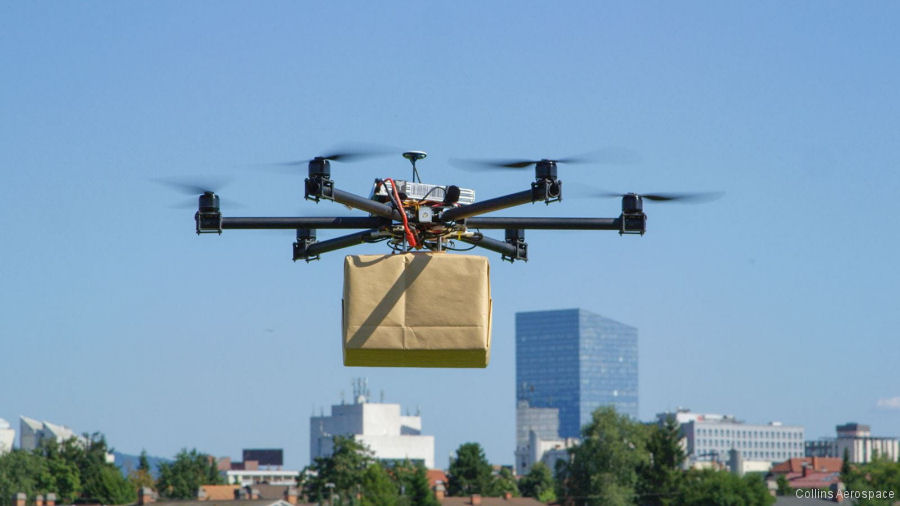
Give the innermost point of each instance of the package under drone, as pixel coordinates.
(417, 310)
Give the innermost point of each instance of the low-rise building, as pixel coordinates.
(810, 473)
(7, 437)
(32, 432)
(244, 477)
(854, 440)
(710, 437)
(537, 437)
(390, 435)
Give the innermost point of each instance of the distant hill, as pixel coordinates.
(128, 463)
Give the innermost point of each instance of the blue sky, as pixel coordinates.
(776, 302)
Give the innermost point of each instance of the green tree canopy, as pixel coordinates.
(504, 482)
(21, 471)
(882, 474)
(377, 487)
(661, 479)
(143, 463)
(603, 469)
(538, 483)
(723, 488)
(191, 469)
(141, 477)
(340, 474)
(101, 480)
(412, 481)
(75, 470)
(470, 472)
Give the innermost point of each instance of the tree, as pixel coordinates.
(412, 480)
(880, 475)
(845, 465)
(340, 474)
(106, 485)
(603, 469)
(75, 470)
(62, 474)
(143, 463)
(377, 487)
(191, 469)
(20, 471)
(783, 486)
(102, 481)
(723, 488)
(661, 479)
(538, 483)
(470, 472)
(503, 483)
(141, 477)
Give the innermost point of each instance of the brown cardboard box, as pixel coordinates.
(417, 310)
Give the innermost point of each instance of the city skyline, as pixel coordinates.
(775, 301)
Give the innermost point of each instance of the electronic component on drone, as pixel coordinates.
(422, 192)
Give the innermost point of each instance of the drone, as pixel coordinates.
(410, 215)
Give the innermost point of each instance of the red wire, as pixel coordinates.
(410, 238)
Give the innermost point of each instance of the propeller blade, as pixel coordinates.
(686, 197)
(695, 197)
(610, 155)
(468, 164)
(513, 165)
(223, 204)
(607, 156)
(190, 186)
(346, 153)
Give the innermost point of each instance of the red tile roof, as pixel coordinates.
(436, 475)
(817, 464)
(219, 492)
(812, 480)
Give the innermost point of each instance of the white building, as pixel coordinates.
(389, 434)
(537, 438)
(7, 437)
(711, 437)
(857, 442)
(261, 476)
(32, 432)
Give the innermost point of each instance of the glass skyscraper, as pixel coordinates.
(576, 361)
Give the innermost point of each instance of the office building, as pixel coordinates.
(711, 437)
(7, 437)
(568, 363)
(32, 432)
(576, 361)
(856, 441)
(390, 435)
(248, 477)
(537, 438)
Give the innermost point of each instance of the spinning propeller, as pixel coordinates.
(206, 189)
(351, 153)
(693, 197)
(600, 156)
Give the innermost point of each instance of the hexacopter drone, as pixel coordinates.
(411, 215)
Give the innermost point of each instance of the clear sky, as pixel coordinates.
(776, 302)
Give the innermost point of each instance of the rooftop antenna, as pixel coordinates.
(413, 156)
(360, 390)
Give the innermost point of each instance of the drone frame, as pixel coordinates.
(455, 220)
